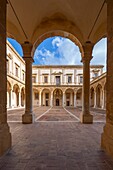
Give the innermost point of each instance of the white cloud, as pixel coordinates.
(65, 52)
(57, 41)
(99, 53)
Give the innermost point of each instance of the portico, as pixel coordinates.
(30, 28)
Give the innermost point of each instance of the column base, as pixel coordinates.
(5, 138)
(27, 118)
(107, 139)
(86, 118)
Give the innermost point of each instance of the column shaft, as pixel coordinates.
(28, 116)
(107, 135)
(85, 116)
(74, 99)
(5, 136)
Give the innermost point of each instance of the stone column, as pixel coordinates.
(43, 101)
(64, 100)
(51, 100)
(85, 116)
(107, 136)
(5, 135)
(71, 97)
(102, 98)
(19, 99)
(74, 99)
(28, 116)
(40, 98)
(11, 98)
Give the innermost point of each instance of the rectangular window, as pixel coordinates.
(81, 79)
(16, 70)
(69, 79)
(57, 80)
(45, 79)
(23, 76)
(47, 95)
(96, 74)
(34, 79)
(36, 96)
(7, 66)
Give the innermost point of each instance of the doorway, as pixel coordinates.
(57, 102)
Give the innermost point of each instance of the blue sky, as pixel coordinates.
(62, 51)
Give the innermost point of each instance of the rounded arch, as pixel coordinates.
(99, 95)
(9, 87)
(69, 97)
(16, 91)
(61, 33)
(45, 97)
(57, 97)
(22, 96)
(79, 97)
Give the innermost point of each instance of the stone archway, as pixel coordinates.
(45, 97)
(99, 96)
(69, 97)
(57, 97)
(79, 98)
(22, 97)
(16, 95)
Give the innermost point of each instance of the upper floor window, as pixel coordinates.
(34, 79)
(23, 76)
(45, 79)
(69, 79)
(81, 79)
(57, 80)
(16, 70)
(95, 74)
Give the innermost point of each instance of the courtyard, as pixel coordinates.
(56, 141)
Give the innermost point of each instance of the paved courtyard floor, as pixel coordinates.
(56, 141)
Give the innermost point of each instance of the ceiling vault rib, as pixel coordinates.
(18, 19)
(96, 19)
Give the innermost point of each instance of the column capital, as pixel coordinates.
(87, 48)
(27, 49)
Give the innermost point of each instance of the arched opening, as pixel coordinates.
(16, 91)
(57, 97)
(104, 96)
(79, 98)
(45, 97)
(99, 96)
(92, 97)
(69, 97)
(22, 97)
(35, 97)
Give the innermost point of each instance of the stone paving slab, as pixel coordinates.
(56, 146)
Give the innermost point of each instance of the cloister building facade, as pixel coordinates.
(52, 85)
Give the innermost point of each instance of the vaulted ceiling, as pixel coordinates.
(31, 20)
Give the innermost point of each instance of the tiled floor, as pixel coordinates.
(56, 141)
